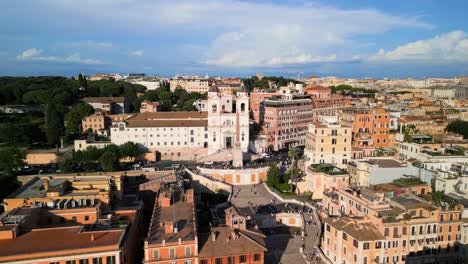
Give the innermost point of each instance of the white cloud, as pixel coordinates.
(138, 53)
(240, 33)
(29, 53)
(451, 46)
(300, 59)
(34, 55)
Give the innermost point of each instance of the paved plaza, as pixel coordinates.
(283, 243)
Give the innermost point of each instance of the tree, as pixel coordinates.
(273, 175)
(74, 117)
(36, 97)
(54, 124)
(81, 80)
(129, 149)
(459, 127)
(292, 154)
(10, 159)
(67, 166)
(109, 161)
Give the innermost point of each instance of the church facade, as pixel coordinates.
(190, 135)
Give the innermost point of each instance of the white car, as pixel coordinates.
(209, 163)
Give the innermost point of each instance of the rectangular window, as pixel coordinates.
(156, 254)
(366, 245)
(218, 261)
(243, 258)
(110, 260)
(84, 261)
(204, 261)
(257, 257)
(355, 243)
(70, 262)
(188, 251)
(230, 260)
(172, 253)
(97, 260)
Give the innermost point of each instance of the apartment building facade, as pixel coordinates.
(328, 142)
(366, 228)
(285, 121)
(370, 128)
(191, 85)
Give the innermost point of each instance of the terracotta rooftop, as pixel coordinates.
(104, 100)
(180, 213)
(66, 241)
(385, 163)
(229, 242)
(360, 230)
(169, 119)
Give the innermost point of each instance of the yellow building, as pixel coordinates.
(328, 141)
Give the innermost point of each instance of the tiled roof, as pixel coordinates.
(64, 241)
(226, 243)
(362, 231)
(169, 119)
(104, 100)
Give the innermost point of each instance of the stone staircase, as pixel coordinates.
(220, 156)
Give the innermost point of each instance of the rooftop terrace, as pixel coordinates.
(173, 217)
(328, 169)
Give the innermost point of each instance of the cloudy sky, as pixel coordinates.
(359, 38)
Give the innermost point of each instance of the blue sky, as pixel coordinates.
(353, 38)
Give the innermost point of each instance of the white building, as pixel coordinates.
(189, 135)
(150, 85)
(191, 85)
(366, 172)
(222, 120)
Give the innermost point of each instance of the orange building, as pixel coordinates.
(371, 128)
(148, 106)
(317, 91)
(96, 122)
(66, 245)
(172, 236)
(70, 231)
(45, 190)
(256, 100)
(366, 227)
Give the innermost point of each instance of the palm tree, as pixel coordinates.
(292, 154)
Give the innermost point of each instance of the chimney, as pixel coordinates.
(92, 237)
(165, 201)
(213, 236)
(46, 185)
(189, 195)
(168, 227)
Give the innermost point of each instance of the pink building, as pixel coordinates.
(317, 91)
(150, 107)
(256, 100)
(285, 121)
(367, 227)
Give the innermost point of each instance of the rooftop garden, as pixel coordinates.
(440, 199)
(404, 182)
(328, 169)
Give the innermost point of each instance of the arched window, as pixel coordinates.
(243, 107)
(214, 108)
(121, 127)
